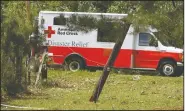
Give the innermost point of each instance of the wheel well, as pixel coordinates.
(165, 59)
(75, 56)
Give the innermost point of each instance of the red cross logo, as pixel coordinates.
(49, 31)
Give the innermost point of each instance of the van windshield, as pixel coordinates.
(161, 39)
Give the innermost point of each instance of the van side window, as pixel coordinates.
(59, 20)
(104, 33)
(144, 39)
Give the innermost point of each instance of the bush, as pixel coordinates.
(9, 82)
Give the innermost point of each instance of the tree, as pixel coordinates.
(16, 28)
(14, 43)
(162, 15)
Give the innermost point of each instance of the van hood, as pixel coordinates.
(172, 49)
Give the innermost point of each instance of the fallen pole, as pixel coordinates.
(40, 68)
(109, 64)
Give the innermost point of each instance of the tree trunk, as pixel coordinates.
(18, 67)
(109, 64)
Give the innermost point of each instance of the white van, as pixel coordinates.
(82, 50)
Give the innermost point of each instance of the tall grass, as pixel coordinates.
(66, 90)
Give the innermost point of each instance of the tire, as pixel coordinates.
(75, 64)
(168, 68)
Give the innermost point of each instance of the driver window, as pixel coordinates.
(145, 39)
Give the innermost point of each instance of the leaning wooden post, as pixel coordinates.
(40, 67)
(109, 64)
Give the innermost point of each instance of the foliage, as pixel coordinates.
(111, 26)
(161, 15)
(16, 26)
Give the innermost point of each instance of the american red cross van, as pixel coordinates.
(80, 50)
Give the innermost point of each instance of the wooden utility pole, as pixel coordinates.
(28, 80)
(28, 9)
(109, 64)
(173, 2)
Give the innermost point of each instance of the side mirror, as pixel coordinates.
(156, 44)
(153, 42)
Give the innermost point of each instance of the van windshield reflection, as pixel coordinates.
(161, 39)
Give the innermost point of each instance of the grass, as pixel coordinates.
(72, 91)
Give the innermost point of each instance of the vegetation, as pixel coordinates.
(69, 91)
(158, 14)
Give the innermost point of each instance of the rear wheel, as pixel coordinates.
(168, 68)
(75, 64)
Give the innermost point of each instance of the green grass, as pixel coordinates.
(68, 90)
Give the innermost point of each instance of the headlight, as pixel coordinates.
(181, 57)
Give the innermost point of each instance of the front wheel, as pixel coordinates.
(168, 68)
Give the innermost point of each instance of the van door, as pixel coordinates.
(146, 54)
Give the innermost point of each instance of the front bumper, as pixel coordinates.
(180, 67)
(180, 64)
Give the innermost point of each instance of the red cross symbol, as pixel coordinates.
(49, 31)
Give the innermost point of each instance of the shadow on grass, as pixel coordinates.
(117, 71)
(139, 72)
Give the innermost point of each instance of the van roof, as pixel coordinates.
(114, 15)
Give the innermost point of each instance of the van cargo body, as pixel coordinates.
(80, 50)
